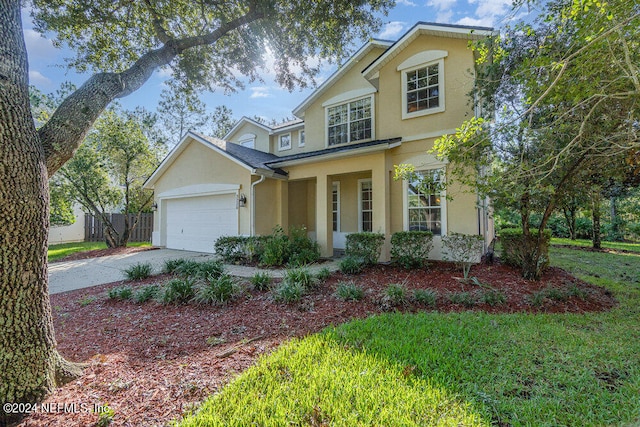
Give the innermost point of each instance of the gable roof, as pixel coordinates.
(243, 120)
(428, 28)
(364, 50)
(252, 160)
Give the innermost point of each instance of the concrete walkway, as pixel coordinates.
(71, 275)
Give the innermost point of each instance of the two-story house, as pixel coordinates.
(331, 170)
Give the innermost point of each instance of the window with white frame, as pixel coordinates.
(284, 142)
(365, 205)
(425, 201)
(335, 206)
(423, 89)
(301, 139)
(349, 122)
(248, 140)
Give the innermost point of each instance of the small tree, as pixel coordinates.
(463, 249)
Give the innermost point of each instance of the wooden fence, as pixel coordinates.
(94, 230)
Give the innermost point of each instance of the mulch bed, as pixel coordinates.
(105, 252)
(152, 363)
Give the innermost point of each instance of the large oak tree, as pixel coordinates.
(207, 43)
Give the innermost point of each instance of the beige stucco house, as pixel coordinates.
(331, 170)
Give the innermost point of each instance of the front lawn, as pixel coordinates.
(468, 368)
(625, 246)
(63, 250)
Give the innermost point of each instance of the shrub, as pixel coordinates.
(146, 293)
(301, 276)
(276, 248)
(365, 246)
(575, 291)
(323, 274)
(239, 249)
(463, 249)
(525, 253)
(188, 268)
(584, 228)
(210, 269)
(351, 265)
(302, 250)
(120, 293)
(177, 291)
(426, 297)
(462, 298)
(217, 290)
(349, 292)
(411, 249)
(493, 298)
(395, 294)
(138, 271)
(261, 281)
(288, 292)
(171, 265)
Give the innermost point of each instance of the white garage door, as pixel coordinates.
(194, 223)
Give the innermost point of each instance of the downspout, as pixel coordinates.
(253, 204)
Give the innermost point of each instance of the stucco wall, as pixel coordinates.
(262, 136)
(68, 233)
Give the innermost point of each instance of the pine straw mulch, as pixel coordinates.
(152, 363)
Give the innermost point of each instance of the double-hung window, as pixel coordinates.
(423, 83)
(425, 202)
(349, 122)
(284, 142)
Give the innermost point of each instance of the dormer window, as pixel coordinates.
(350, 122)
(248, 140)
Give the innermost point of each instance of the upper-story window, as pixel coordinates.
(284, 142)
(248, 140)
(423, 83)
(301, 139)
(349, 122)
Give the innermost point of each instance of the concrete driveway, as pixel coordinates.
(70, 275)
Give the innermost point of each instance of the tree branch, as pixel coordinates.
(69, 124)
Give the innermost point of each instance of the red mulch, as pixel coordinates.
(152, 363)
(105, 252)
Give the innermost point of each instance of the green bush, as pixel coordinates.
(349, 292)
(210, 269)
(466, 299)
(323, 274)
(524, 253)
(463, 249)
(411, 249)
(584, 228)
(493, 298)
(261, 281)
(302, 250)
(351, 265)
(365, 246)
(138, 271)
(146, 293)
(301, 276)
(426, 297)
(276, 248)
(395, 294)
(217, 290)
(288, 292)
(239, 249)
(171, 265)
(177, 291)
(120, 293)
(188, 268)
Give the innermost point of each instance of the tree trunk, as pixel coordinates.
(596, 198)
(29, 363)
(570, 218)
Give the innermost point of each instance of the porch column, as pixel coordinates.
(381, 204)
(283, 204)
(324, 228)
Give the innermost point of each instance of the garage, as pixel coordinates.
(194, 223)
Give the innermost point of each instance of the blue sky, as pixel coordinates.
(266, 99)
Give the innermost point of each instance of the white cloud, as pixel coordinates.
(38, 79)
(259, 92)
(488, 12)
(406, 2)
(392, 30)
(472, 22)
(444, 8)
(38, 46)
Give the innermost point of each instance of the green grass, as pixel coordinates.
(466, 368)
(633, 247)
(57, 252)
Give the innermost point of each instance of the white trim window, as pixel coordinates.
(350, 122)
(425, 202)
(301, 138)
(284, 142)
(365, 205)
(335, 206)
(423, 89)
